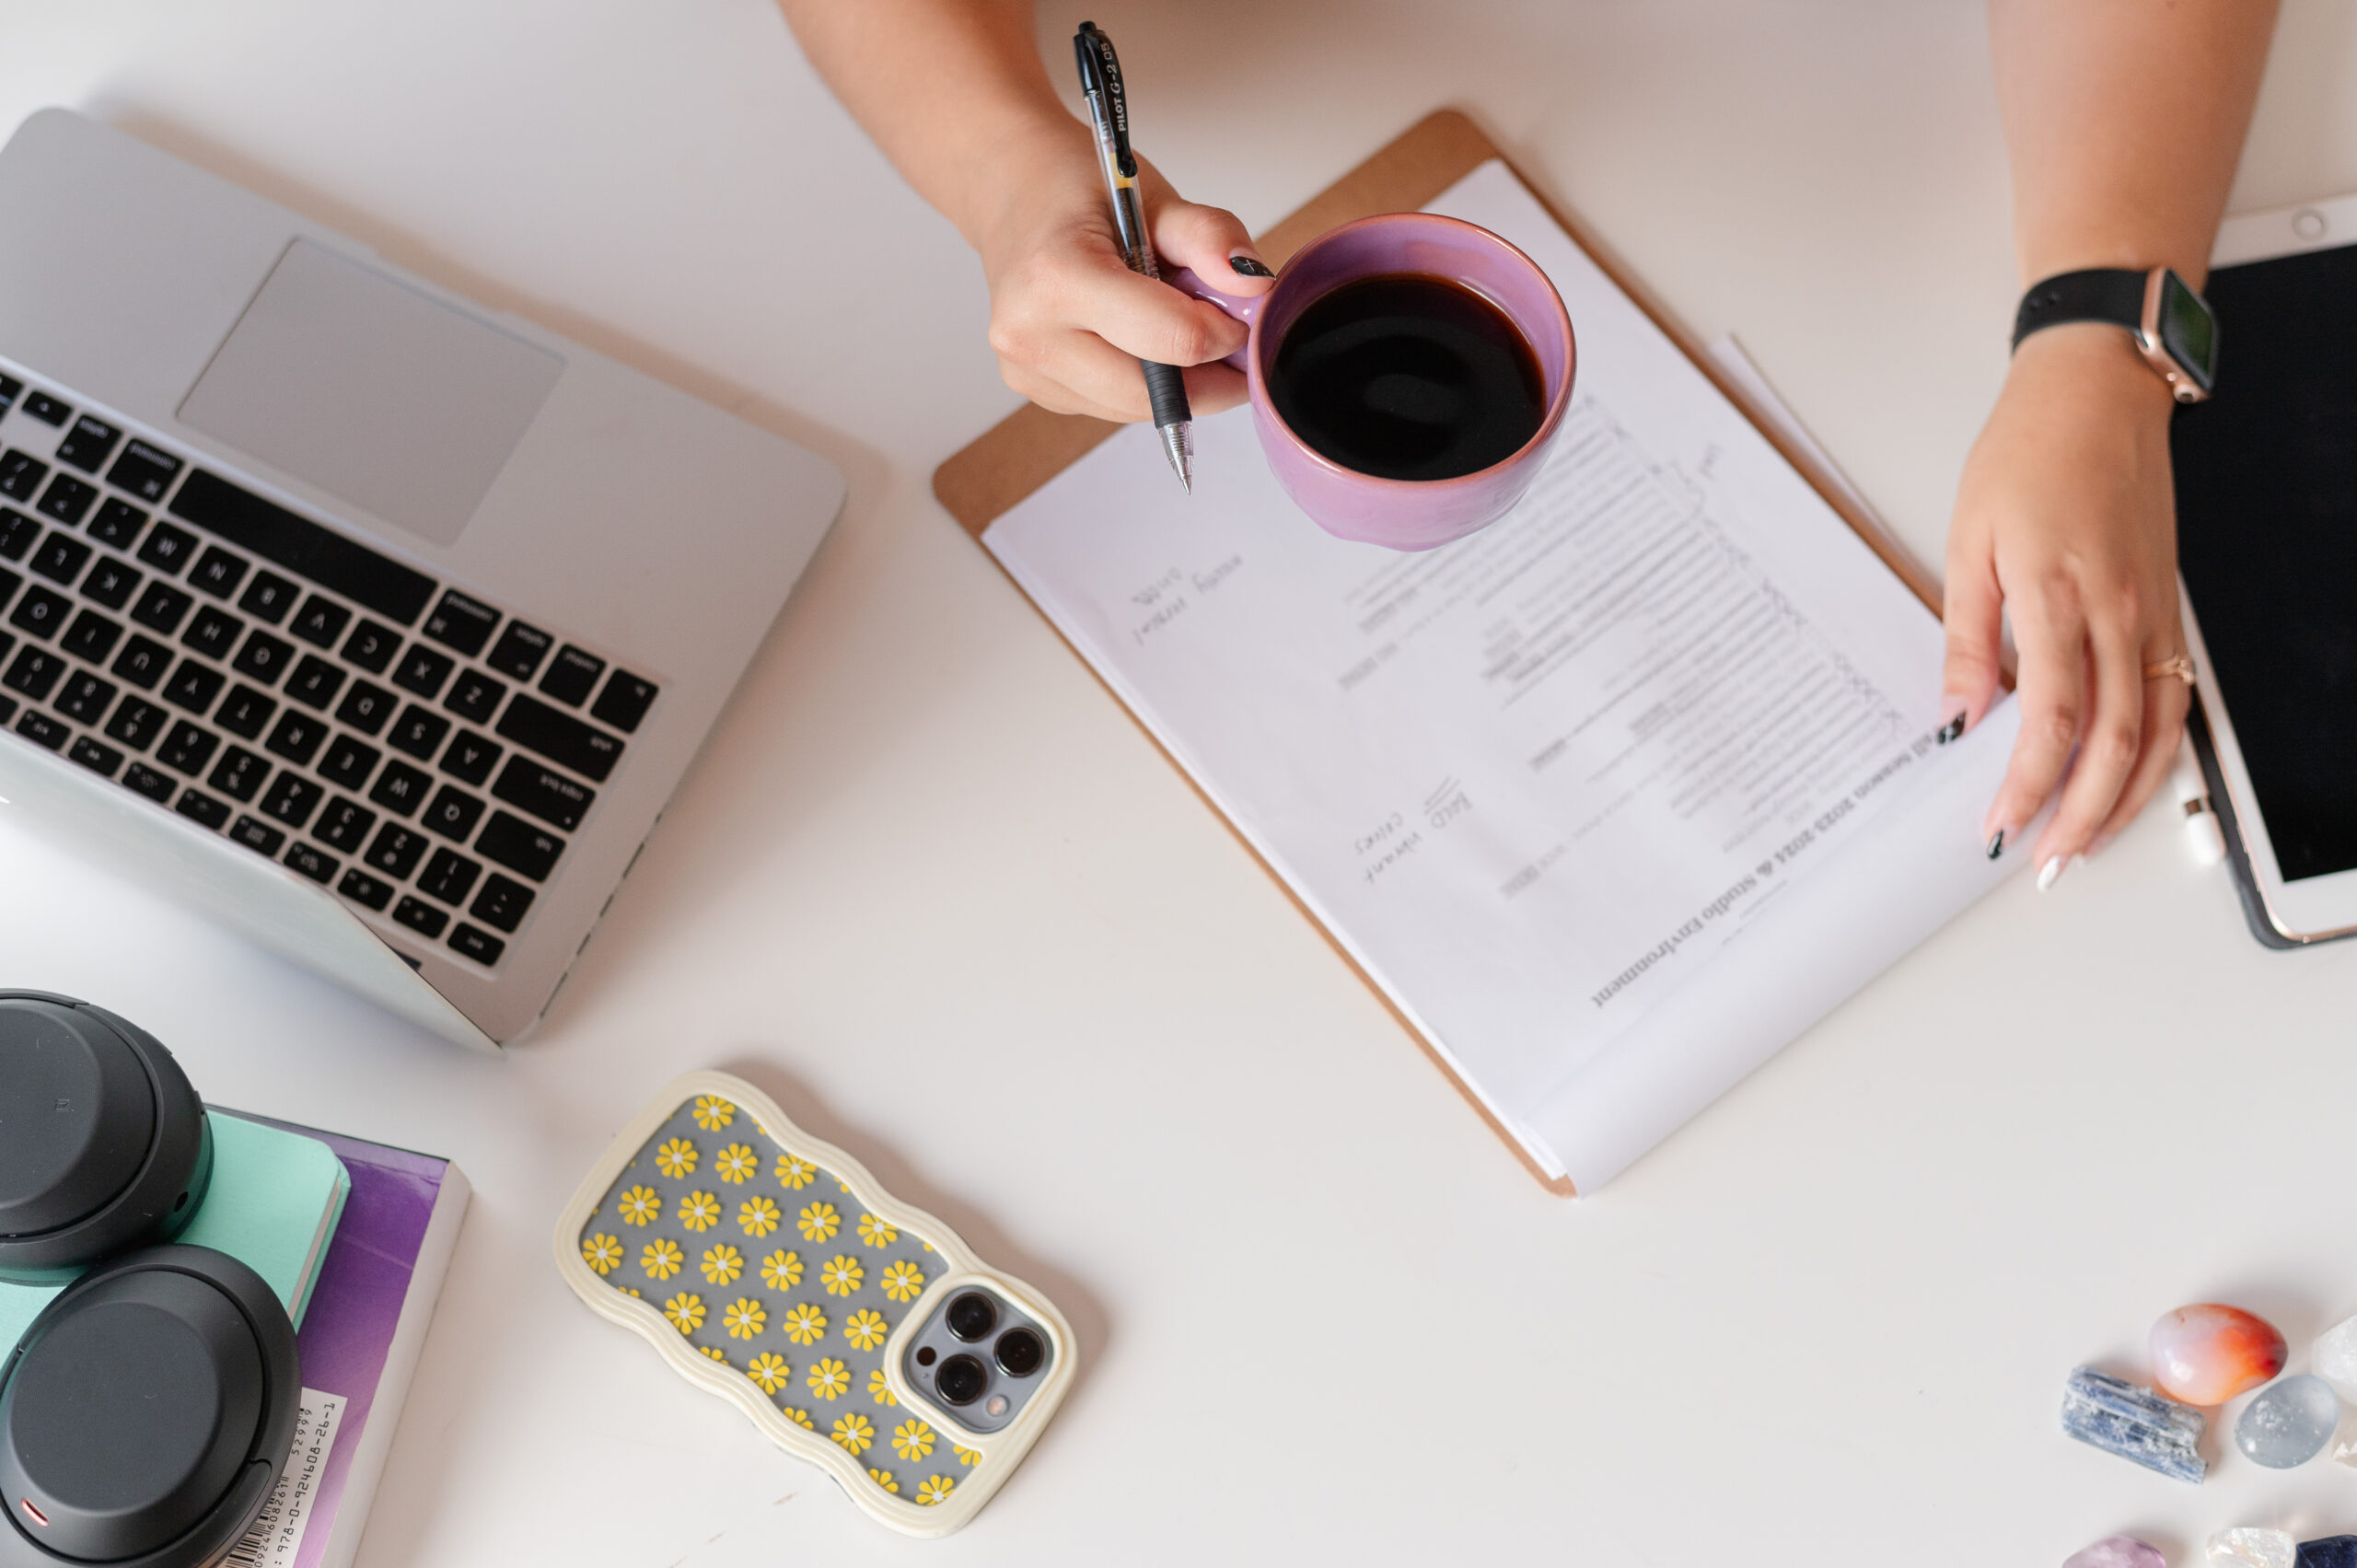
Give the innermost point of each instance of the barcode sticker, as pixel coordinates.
(277, 1533)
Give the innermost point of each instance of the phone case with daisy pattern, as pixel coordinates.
(770, 1268)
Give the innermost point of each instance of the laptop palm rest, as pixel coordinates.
(383, 396)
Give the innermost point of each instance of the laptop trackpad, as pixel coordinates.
(373, 392)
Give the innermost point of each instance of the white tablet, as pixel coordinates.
(2267, 521)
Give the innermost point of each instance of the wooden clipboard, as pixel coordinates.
(1031, 446)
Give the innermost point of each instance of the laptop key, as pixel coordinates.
(521, 649)
(314, 684)
(238, 774)
(41, 611)
(345, 825)
(560, 737)
(348, 762)
(400, 788)
(470, 759)
(7, 709)
(20, 474)
(203, 807)
(111, 583)
(88, 443)
(454, 813)
(34, 671)
(339, 565)
(146, 780)
(363, 889)
(60, 558)
(264, 657)
(309, 862)
(194, 687)
(144, 471)
(480, 946)
(258, 836)
(9, 583)
(100, 760)
(117, 524)
(84, 697)
(366, 708)
(449, 874)
(187, 749)
(397, 850)
(46, 409)
(418, 732)
(296, 736)
(68, 499)
(571, 674)
(421, 917)
(320, 621)
(549, 796)
(16, 533)
(625, 701)
(291, 798)
(168, 548)
(475, 695)
(217, 573)
(161, 608)
(517, 845)
(268, 597)
(213, 632)
(461, 622)
(372, 646)
(42, 730)
(10, 390)
(422, 670)
(142, 662)
(92, 637)
(502, 902)
(245, 711)
(137, 723)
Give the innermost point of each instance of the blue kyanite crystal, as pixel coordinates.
(2288, 1422)
(2333, 1552)
(2136, 1424)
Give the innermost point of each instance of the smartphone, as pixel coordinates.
(2267, 530)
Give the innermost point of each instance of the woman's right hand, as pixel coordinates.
(1069, 321)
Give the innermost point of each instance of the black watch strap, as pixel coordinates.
(2099, 294)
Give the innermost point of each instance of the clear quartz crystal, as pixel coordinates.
(2288, 1423)
(2334, 1356)
(2246, 1545)
(2117, 1552)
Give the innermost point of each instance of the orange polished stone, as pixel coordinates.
(2206, 1353)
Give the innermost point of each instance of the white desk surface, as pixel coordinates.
(931, 888)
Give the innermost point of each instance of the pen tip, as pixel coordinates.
(1178, 445)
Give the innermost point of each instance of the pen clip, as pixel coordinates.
(1100, 75)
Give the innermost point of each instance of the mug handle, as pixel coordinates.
(1246, 309)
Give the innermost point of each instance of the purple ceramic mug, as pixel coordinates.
(1405, 514)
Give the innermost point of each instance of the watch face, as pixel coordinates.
(2188, 331)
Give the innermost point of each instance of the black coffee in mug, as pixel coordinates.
(1407, 376)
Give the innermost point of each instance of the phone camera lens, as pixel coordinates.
(971, 1316)
(961, 1380)
(927, 1355)
(1020, 1353)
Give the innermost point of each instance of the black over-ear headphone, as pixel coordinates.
(146, 1413)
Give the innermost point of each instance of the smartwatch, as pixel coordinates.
(2175, 329)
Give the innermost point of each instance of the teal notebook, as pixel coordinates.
(273, 1205)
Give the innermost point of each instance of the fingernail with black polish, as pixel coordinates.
(1997, 845)
(1251, 266)
(1951, 730)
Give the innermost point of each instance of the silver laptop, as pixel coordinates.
(377, 623)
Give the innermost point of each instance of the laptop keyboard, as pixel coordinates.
(406, 744)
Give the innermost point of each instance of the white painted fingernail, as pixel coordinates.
(2051, 872)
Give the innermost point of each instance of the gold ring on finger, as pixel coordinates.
(2179, 666)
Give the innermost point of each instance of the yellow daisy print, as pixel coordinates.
(866, 1328)
(715, 1353)
(676, 1158)
(877, 1232)
(737, 1164)
(879, 1389)
(841, 1276)
(769, 1372)
(602, 1253)
(902, 1282)
(804, 1324)
(912, 1439)
(818, 1222)
(661, 1258)
(723, 1263)
(758, 1216)
(686, 1311)
(699, 1211)
(628, 1290)
(934, 1489)
(965, 1456)
(829, 1378)
(884, 1478)
(713, 1113)
(745, 1318)
(783, 1270)
(639, 1205)
(799, 1418)
(794, 1173)
(854, 1432)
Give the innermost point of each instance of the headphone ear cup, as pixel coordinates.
(107, 1147)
